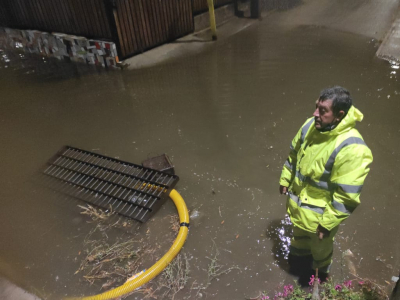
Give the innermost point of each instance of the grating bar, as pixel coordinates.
(137, 183)
(161, 179)
(89, 187)
(128, 189)
(107, 168)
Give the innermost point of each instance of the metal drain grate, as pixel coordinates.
(128, 189)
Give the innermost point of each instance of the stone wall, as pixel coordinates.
(61, 46)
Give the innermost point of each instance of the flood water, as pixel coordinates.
(226, 118)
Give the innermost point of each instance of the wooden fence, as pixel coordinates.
(3, 16)
(79, 17)
(134, 25)
(200, 6)
(143, 24)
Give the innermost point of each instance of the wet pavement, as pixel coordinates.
(226, 118)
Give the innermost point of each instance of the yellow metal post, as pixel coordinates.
(213, 24)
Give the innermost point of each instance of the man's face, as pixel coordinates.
(323, 114)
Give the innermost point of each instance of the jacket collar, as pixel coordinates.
(347, 123)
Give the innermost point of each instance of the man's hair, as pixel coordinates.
(340, 97)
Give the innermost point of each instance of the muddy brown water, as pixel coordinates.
(226, 118)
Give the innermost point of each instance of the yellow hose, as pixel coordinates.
(160, 265)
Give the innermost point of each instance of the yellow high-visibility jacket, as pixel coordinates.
(325, 172)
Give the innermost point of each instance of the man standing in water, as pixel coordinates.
(323, 177)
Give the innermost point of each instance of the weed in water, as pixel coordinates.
(214, 270)
(175, 276)
(96, 214)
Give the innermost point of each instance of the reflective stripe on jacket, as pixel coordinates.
(325, 172)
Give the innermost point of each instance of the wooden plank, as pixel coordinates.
(100, 19)
(134, 29)
(153, 20)
(138, 25)
(92, 26)
(172, 20)
(9, 14)
(20, 14)
(152, 26)
(178, 16)
(169, 20)
(33, 12)
(132, 39)
(159, 17)
(130, 33)
(87, 17)
(28, 15)
(148, 23)
(58, 16)
(73, 7)
(96, 20)
(163, 16)
(75, 23)
(62, 12)
(121, 10)
(52, 16)
(96, 26)
(106, 19)
(135, 14)
(190, 8)
(3, 16)
(80, 15)
(187, 12)
(14, 14)
(144, 25)
(45, 11)
(121, 44)
(39, 14)
(159, 14)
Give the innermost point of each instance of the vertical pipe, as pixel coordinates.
(212, 19)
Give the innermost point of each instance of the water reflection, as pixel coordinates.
(394, 64)
(280, 232)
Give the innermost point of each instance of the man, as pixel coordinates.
(323, 176)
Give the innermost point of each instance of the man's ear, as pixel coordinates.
(340, 115)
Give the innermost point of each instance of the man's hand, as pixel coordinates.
(283, 190)
(322, 232)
